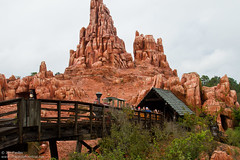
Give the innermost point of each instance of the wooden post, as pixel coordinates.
(87, 146)
(139, 116)
(59, 118)
(76, 119)
(113, 103)
(150, 116)
(20, 107)
(91, 117)
(117, 103)
(145, 123)
(39, 124)
(53, 149)
(156, 118)
(79, 145)
(103, 121)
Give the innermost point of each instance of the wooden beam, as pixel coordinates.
(59, 118)
(79, 146)
(87, 146)
(76, 119)
(91, 118)
(96, 147)
(53, 149)
(153, 99)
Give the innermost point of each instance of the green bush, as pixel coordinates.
(81, 156)
(172, 141)
(189, 147)
(233, 136)
(127, 140)
(236, 116)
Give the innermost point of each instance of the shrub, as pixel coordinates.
(189, 147)
(233, 136)
(236, 116)
(81, 156)
(127, 140)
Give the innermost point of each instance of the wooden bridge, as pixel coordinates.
(34, 120)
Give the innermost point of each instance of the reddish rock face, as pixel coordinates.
(99, 44)
(191, 85)
(3, 86)
(101, 64)
(220, 97)
(148, 50)
(221, 155)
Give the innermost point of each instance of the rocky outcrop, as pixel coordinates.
(191, 84)
(99, 44)
(3, 86)
(148, 50)
(101, 64)
(220, 98)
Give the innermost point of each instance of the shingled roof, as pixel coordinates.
(173, 101)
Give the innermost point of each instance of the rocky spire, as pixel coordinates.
(99, 44)
(148, 50)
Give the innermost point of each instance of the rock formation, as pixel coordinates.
(3, 86)
(99, 44)
(146, 49)
(101, 64)
(220, 98)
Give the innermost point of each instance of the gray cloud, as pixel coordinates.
(201, 36)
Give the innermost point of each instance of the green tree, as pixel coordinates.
(213, 81)
(57, 73)
(205, 79)
(234, 85)
(33, 73)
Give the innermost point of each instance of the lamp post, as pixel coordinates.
(98, 94)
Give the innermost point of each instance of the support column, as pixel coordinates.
(53, 149)
(79, 146)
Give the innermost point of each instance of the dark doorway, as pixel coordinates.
(224, 122)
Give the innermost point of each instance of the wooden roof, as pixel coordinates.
(167, 96)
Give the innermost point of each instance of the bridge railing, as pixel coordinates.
(74, 112)
(94, 118)
(12, 115)
(148, 119)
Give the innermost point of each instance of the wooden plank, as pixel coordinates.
(150, 117)
(79, 146)
(139, 117)
(56, 118)
(103, 121)
(8, 102)
(59, 119)
(91, 118)
(20, 114)
(145, 120)
(39, 117)
(47, 101)
(87, 146)
(8, 113)
(53, 149)
(76, 119)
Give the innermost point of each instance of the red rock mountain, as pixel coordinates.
(101, 64)
(99, 44)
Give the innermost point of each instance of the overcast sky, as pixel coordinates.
(198, 36)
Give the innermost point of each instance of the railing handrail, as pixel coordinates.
(9, 102)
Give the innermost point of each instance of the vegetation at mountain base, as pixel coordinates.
(57, 73)
(234, 134)
(33, 73)
(214, 81)
(186, 139)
